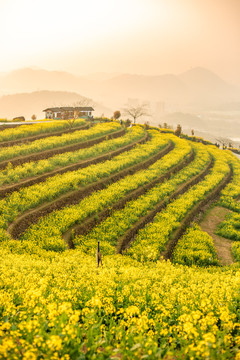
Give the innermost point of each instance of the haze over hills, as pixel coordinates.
(197, 92)
(198, 87)
(29, 79)
(209, 125)
(27, 104)
(99, 76)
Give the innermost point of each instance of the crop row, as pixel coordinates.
(73, 197)
(54, 142)
(196, 247)
(114, 230)
(152, 240)
(53, 187)
(236, 250)
(59, 150)
(24, 131)
(100, 216)
(7, 189)
(30, 139)
(47, 233)
(35, 168)
(230, 227)
(231, 193)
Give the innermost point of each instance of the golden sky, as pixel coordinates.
(125, 36)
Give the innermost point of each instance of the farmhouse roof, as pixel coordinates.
(84, 108)
(70, 108)
(67, 108)
(55, 109)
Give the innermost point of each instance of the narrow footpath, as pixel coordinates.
(223, 246)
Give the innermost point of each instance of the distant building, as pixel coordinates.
(68, 112)
(133, 102)
(160, 107)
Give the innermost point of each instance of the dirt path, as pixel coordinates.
(223, 246)
(193, 213)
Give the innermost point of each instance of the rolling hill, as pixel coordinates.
(198, 86)
(27, 104)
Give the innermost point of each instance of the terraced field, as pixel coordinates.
(143, 195)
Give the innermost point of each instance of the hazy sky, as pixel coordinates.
(131, 36)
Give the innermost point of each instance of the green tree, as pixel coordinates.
(178, 130)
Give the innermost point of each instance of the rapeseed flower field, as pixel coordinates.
(56, 303)
(60, 306)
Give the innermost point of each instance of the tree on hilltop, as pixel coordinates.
(223, 141)
(116, 115)
(178, 130)
(136, 112)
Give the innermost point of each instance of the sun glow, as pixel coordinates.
(146, 36)
(45, 27)
(53, 23)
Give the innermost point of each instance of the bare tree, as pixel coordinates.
(83, 102)
(223, 141)
(136, 112)
(80, 103)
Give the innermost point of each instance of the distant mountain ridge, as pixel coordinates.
(29, 79)
(197, 86)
